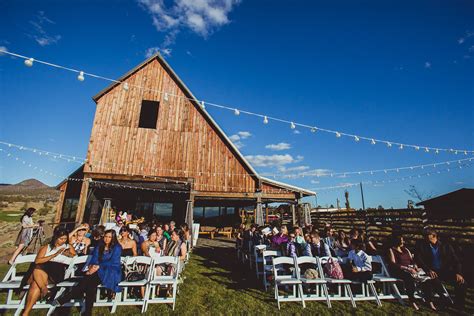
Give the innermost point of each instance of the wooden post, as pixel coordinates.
(293, 214)
(266, 213)
(82, 200)
(60, 204)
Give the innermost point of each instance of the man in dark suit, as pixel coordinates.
(440, 261)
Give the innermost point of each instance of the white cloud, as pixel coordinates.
(427, 64)
(234, 137)
(292, 169)
(202, 17)
(314, 181)
(297, 132)
(279, 146)
(244, 134)
(153, 50)
(272, 160)
(461, 40)
(40, 35)
(316, 173)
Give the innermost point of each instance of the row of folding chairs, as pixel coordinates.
(151, 282)
(262, 259)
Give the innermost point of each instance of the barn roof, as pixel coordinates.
(209, 118)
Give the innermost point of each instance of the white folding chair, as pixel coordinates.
(11, 281)
(385, 279)
(156, 281)
(257, 253)
(284, 274)
(42, 304)
(318, 283)
(71, 279)
(122, 298)
(369, 292)
(267, 266)
(341, 284)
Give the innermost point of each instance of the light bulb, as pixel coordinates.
(125, 86)
(427, 150)
(372, 141)
(166, 97)
(437, 151)
(236, 112)
(292, 125)
(203, 105)
(417, 147)
(389, 144)
(80, 77)
(338, 134)
(313, 130)
(401, 146)
(356, 138)
(29, 62)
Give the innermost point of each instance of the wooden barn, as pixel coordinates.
(156, 152)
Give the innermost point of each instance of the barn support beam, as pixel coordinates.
(82, 200)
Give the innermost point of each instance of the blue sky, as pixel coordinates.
(395, 70)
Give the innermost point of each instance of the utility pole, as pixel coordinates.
(362, 194)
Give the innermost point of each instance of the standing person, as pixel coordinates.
(45, 270)
(440, 261)
(129, 246)
(402, 266)
(78, 239)
(104, 268)
(26, 233)
(172, 227)
(361, 263)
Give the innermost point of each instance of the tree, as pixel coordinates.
(417, 194)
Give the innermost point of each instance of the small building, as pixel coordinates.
(156, 152)
(456, 204)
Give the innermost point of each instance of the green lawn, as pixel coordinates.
(215, 284)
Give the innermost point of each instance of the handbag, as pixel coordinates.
(311, 274)
(133, 273)
(333, 270)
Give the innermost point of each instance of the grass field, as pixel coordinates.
(215, 285)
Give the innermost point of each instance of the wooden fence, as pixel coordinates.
(410, 222)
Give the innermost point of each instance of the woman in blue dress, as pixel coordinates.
(104, 268)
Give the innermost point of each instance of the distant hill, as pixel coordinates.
(32, 188)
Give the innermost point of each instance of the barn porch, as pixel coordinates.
(162, 200)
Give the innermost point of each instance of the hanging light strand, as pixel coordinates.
(428, 149)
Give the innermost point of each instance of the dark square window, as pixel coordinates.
(149, 114)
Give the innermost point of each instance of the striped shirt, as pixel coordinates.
(361, 260)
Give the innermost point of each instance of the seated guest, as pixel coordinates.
(118, 225)
(291, 246)
(78, 239)
(440, 261)
(371, 246)
(299, 237)
(186, 234)
(172, 227)
(166, 232)
(329, 239)
(160, 237)
(402, 266)
(317, 247)
(341, 244)
(175, 248)
(104, 268)
(353, 234)
(129, 246)
(151, 244)
(361, 263)
(97, 235)
(281, 238)
(45, 270)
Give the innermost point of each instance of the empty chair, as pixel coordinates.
(310, 264)
(385, 279)
(267, 265)
(257, 253)
(284, 275)
(171, 266)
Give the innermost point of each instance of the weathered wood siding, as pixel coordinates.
(184, 144)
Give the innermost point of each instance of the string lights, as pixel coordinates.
(266, 118)
(310, 173)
